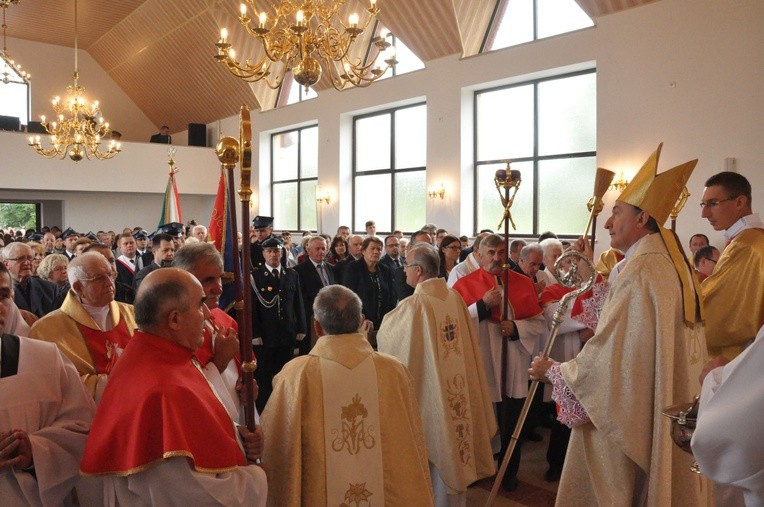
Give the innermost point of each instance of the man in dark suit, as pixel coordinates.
(278, 317)
(30, 293)
(128, 262)
(163, 137)
(392, 257)
(70, 238)
(354, 253)
(314, 275)
(263, 227)
(163, 250)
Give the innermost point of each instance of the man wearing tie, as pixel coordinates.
(392, 257)
(128, 263)
(278, 317)
(314, 275)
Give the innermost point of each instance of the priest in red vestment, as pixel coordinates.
(161, 436)
(523, 328)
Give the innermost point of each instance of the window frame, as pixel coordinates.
(535, 159)
(392, 171)
(299, 179)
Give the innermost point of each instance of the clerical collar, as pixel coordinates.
(752, 221)
(100, 315)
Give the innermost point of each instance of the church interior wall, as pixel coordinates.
(685, 72)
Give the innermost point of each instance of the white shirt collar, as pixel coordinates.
(752, 221)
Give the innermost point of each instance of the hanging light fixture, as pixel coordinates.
(79, 128)
(12, 72)
(309, 38)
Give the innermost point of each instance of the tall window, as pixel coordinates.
(389, 158)
(294, 173)
(519, 21)
(547, 128)
(14, 97)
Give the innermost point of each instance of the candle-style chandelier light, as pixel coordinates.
(308, 37)
(79, 127)
(12, 72)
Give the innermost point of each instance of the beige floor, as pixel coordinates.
(534, 491)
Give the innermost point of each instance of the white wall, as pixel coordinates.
(685, 72)
(711, 50)
(52, 68)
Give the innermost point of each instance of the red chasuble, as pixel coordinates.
(105, 346)
(521, 293)
(157, 405)
(594, 296)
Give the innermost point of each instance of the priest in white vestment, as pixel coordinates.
(727, 442)
(45, 415)
(342, 424)
(645, 355)
(431, 333)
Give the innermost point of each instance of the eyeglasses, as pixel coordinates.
(410, 266)
(25, 258)
(714, 203)
(100, 278)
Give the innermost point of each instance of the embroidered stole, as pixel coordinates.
(352, 439)
(105, 346)
(453, 379)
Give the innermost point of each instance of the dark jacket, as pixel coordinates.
(39, 296)
(358, 279)
(277, 323)
(310, 284)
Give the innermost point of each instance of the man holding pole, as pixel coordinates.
(522, 326)
(646, 354)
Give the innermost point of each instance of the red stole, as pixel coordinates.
(105, 346)
(158, 405)
(220, 320)
(521, 293)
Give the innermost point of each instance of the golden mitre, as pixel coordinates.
(657, 193)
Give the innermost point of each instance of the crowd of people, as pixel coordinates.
(390, 369)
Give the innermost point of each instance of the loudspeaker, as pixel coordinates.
(35, 127)
(197, 134)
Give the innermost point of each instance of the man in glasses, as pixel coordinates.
(91, 329)
(31, 293)
(734, 293)
(705, 260)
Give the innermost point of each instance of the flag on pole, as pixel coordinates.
(171, 203)
(220, 231)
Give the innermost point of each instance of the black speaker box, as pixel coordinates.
(197, 134)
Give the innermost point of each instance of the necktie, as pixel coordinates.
(276, 274)
(322, 272)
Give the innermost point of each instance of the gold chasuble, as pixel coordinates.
(734, 295)
(343, 427)
(642, 358)
(71, 327)
(431, 333)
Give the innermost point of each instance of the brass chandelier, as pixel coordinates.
(12, 72)
(79, 128)
(309, 38)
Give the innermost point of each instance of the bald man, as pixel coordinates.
(158, 383)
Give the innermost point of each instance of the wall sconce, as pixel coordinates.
(323, 197)
(619, 184)
(434, 192)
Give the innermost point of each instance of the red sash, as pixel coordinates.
(127, 265)
(106, 346)
(521, 293)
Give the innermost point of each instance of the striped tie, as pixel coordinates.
(322, 272)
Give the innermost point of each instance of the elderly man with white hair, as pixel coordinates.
(552, 248)
(31, 294)
(200, 233)
(91, 329)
